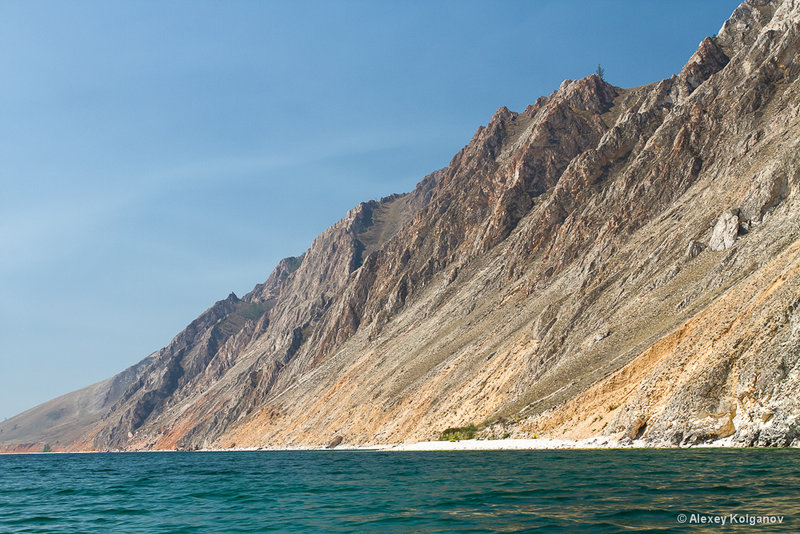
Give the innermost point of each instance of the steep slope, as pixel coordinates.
(609, 261)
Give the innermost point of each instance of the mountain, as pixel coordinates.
(618, 262)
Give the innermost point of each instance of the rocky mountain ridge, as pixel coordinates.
(610, 261)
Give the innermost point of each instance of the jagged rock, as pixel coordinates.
(694, 249)
(335, 442)
(707, 60)
(725, 231)
(768, 189)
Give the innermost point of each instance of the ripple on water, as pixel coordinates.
(476, 491)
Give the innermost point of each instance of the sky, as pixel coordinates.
(155, 156)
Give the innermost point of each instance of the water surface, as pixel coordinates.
(453, 491)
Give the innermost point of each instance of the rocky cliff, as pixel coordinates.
(621, 262)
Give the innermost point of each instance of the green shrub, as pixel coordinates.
(459, 433)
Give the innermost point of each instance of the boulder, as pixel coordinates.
(767, 190)
(725, 231)
(694, 249)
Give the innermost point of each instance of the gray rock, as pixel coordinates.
(694, 249)
(768, 189)
(725, 231)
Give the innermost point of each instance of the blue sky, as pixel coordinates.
(158, 155)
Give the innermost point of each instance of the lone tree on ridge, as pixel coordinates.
(600, 71)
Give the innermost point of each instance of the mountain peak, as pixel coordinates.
(590, 93)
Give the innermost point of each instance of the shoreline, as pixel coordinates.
(518, 444)
(514, 444)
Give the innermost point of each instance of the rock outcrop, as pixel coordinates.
(609, 261)
(725, 231)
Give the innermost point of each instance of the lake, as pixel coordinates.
(674, 490)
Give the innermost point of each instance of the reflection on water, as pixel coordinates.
(480, 491)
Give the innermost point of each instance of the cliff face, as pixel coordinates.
(608, 262)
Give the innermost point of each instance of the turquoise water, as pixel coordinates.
(458, 491)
